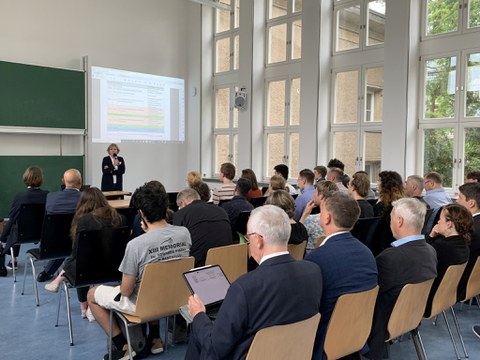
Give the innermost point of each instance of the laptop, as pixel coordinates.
(210, 284)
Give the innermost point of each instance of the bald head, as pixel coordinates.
(72, 179)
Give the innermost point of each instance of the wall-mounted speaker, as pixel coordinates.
(241, 99)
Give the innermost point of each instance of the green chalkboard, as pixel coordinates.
(37, 96)
(13, 168)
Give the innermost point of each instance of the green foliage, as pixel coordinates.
(442, 16)
(438, 154)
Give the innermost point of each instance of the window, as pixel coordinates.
(226, 37)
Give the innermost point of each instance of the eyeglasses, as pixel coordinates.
(247, 237)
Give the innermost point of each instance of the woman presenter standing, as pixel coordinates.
(113, 168)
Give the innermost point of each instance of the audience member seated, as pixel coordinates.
(208, 225)
(320, 172)
(305, 183)
(33, 179)
(160, 242)
(335, 175)
(312, 222)
(473, 176)
(282, 170)
(371, 194)
(62, 202)
(255, 191)
(414, 188)
(449, 238)
(238, 204)
(469, 197)
(93, 213)
(284, 200)
(280, 291)
(358, 187)
(336, 163)
(193, 176)
(409, 260)
(203, 190)
(227, 190)
(277, 182)
(390, 187)
(436, 195)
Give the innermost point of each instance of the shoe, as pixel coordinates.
(90, 316)
(120, 354)
(476, 330)
(43, 276)
(84, 313)
(52, 287)
(157, 346)
(3, 271)
(10, 266)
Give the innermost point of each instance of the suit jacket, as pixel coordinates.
(474, 254)
(413, 262)
(28, 196)
(258, 299)
(347, 266)
(62, 202)
(108, 171)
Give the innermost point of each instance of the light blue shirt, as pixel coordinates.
(437, 198)
(407, 239)
(302, 200)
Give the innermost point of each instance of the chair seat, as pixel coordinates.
(35, 252)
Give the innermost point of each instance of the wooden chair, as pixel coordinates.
(99, 254)
(285, 342)
(55, 243)
(408, 312)
(445, 297)
(162, 292)
(473, 284)
(351, 321)
(231, 258)
(297, 250)
(319, 241)
(29, 222)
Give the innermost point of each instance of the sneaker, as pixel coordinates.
(90, 316)
(476, 330)
(157, 346)
(43, 276)
(120, 354)
(3, 271)
(10, 266)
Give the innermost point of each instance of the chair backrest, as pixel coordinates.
(30, 221)
(99, 254)
(473, 284)
(258, 201)
(297, 250)
(319, 241)
(446, 294)
(163, 290)
(409, 308)
(351, 321)
(285, 342)
(56, 241)
(129, 213)
(365, 229)
(172, 201)
(231, 258)
(241, 225)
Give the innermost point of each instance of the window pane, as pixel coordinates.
(440, 82)
(277, 43)
(275, 151)
(438, 155)
(276, 103)
(346, 97)
(442, 16)
(221, 150)
(223, 18)
(297, 39)
(222, 113)
(295, 102)
(297, 6)
(222, 55)
(294, 154)
(348, 28)
(376, 22)
(277, 8)
(472, 149)
(472, 99)
(235, 117)
(235, 150)
(345, 148)
(374, 95)
(372, 154)
(237, 14)
(473, 13)
(236, 53)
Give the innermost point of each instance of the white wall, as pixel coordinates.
(155, 36)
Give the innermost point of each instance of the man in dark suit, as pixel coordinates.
(409, 260)
(470, 198)
(62, 202)
(347, 265)
(260, 298)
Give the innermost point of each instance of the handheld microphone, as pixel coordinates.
(114, 155)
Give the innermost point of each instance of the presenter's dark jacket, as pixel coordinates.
(108, 171)
(28, 196)
(280, 291)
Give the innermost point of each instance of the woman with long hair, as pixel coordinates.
(255, 191)
(390, 187)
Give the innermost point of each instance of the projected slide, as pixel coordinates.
(130, 106)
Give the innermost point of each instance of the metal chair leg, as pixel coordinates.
(435, 320)
(127, 332)
(455, 320)
(451, 335)
(478, 300)
(417, 341)
(25, 277)
(69, 313)
(13, 266)
(110, 336)
(34, 275)
(58, 307)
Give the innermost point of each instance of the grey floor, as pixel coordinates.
(28, 331)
